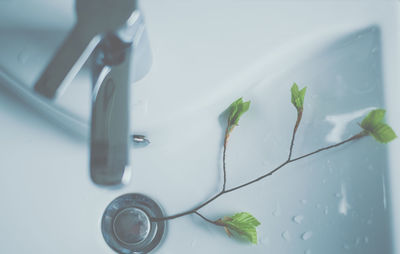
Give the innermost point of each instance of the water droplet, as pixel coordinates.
(264, 240)
(267, 138)
(339, 79)
(374, 50)
(357, 241)
(142, 106)
(384, 192)
(328, 162)
(277, 211)
(303, 201)
(326, 210)
(318, 206)
(23, 56)
(307, 251)
(193, 243)
(346, 247)
(343, 206)
(338, 195)
(369, 222)
(366, 239)
(324, 181)
(298, 219)
(285, 235)
(306, 235)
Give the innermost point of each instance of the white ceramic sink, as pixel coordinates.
(206, 55)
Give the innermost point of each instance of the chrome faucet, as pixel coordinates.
(109, 33)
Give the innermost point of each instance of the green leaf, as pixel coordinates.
(383, 133)
(373, 118)
(374, 125)
(298, 96)
(236, 110)
(233, 109)
(242, 225)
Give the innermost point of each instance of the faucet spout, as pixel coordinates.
(109, 135)
(112, 74)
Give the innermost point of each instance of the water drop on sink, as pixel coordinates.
(346, 247)
(264, 240)
(277, 211)
(23, 56)
(307, 251)
(303, 201)
(326, 210)
(366, 239)
(357, 241)
(343, 205)
(193, 243)
(339, 79)
(285, 235)
(266, 138)
(298, 219)
(306, 235)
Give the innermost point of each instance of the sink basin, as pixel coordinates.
(206, 55)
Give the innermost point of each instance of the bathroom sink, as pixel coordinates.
(205, 56)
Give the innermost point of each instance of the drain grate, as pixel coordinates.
(126, 226)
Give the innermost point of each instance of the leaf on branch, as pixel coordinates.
(236, 110)
(374, 125)
(242, 225)
(298, 96)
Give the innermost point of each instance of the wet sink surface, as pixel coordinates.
(335, 202)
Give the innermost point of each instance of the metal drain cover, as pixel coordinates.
(126, 224)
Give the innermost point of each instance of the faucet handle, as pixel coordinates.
(94, 19)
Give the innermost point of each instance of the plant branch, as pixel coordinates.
(224, 156)
(357, 136)
(208, 220)
(258, 178)
(296, 126)
(194, 210)
(187, 212)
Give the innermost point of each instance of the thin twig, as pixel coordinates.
(208, 220)
(223, 158)
(357, 136)
(224, 191)
(296, 126)
(258, 178)
(187, 212)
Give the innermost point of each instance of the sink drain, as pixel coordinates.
(126, 224)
